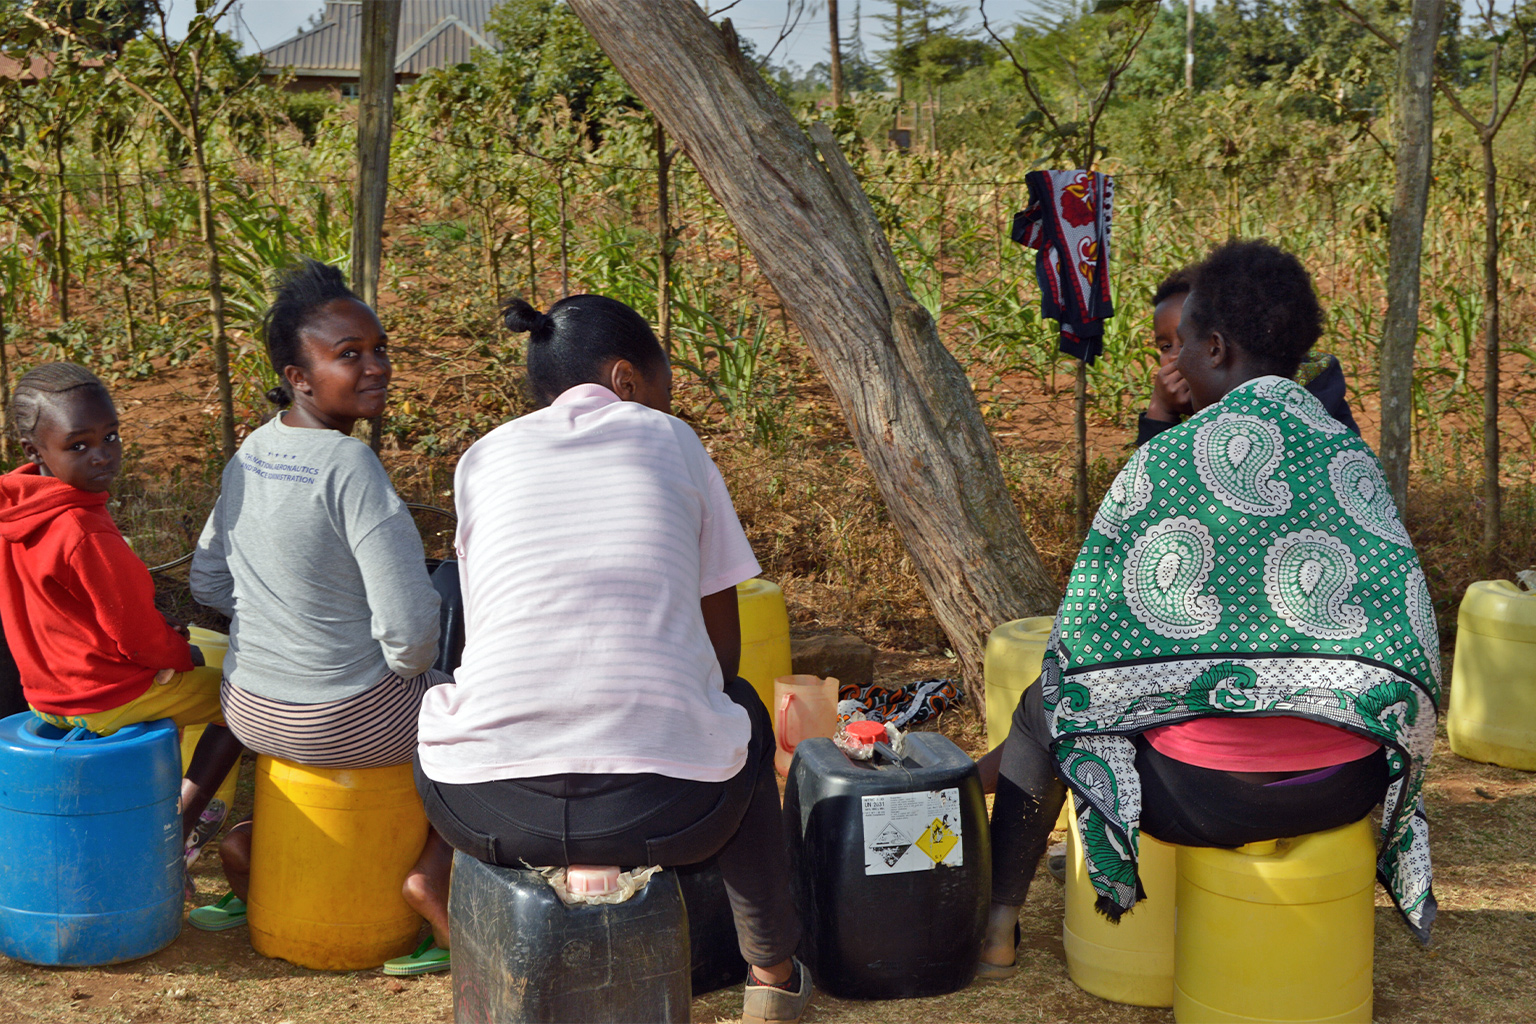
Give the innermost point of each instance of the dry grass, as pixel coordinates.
(1479, 968)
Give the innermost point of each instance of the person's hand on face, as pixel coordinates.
(1170, 393)
(76, 440)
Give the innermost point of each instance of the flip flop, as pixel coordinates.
(228, 913)
(427, 959)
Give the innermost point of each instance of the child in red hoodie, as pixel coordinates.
(78, 606)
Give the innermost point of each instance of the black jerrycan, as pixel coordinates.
(891, 863)
(522, 955)
(716, 954)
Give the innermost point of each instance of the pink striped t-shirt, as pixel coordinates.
(588, 531)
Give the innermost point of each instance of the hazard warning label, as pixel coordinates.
(912, 831)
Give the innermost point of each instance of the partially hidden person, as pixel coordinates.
(78, 605)
(317, 562)
(1319, 372)
(597, 716)
(1247, 649)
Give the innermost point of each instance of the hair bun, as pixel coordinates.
(279, 397)
(519, 317)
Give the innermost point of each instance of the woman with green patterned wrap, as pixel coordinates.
(1246, 649)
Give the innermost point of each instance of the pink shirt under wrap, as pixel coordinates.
(1237, 743)
(588, 531)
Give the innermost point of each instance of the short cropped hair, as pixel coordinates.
(1261, 299)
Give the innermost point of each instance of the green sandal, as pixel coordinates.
(427, 959)
(229, 912)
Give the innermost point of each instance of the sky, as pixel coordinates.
(264, 23)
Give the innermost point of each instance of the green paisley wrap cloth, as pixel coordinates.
(1249, 561)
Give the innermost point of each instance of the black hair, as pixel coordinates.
(41, 386)
(1176, 283)
(300, 290)
(1261, 299)
(577, 339)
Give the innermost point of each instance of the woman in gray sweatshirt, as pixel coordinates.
(318, 564)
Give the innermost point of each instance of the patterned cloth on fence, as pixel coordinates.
(909, 705)
(1068, 220)
(1247, 561)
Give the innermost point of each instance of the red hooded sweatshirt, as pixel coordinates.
(77, 604)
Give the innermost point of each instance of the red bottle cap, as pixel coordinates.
(865, 733)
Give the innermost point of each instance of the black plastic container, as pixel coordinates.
(892, 867)
(716, 953)
(519, 954)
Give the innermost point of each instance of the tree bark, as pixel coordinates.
(907, 401)
(837, 56)
(375, 121)
(1492, 497)
(210, 233)
(664, 231)
(5, 378)
(1415, 121)
(61, 223)
(1189, 45)
(1080, 439)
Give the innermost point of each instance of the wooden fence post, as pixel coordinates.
(375, 123)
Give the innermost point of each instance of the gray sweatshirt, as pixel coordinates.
(318, 564)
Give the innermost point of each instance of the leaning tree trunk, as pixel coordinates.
(907, 401)
(1415, 121)
(1491, 494)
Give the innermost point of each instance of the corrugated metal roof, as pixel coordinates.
(433, 33)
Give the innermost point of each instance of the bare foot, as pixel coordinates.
(235, 854)
(426, 887)
(1000, 945)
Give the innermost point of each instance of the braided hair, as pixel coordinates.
(40, 387)
(301, 290)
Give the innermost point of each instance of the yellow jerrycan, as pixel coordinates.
(764, 636)
(330, 848)
(214, 646)
(1492, 715)
(1130, 962)
(1012, 662)
(1277, 931)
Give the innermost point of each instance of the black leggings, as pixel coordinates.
(643, 819)
(1181, 803)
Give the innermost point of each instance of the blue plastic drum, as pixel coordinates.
(90, 842)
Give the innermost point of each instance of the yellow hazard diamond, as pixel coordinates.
(937, 840)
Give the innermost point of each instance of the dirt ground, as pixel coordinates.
(1479, 967)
